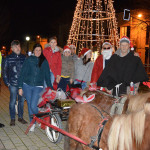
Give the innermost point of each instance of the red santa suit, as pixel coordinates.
(99, 64)
(97, 69)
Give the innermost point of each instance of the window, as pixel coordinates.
(147, 35)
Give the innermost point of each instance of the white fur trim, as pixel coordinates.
(87, 52)
(124, 39)
(67, 50)
(72, 46)
(106, 43)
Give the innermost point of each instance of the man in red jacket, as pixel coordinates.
(101, 61)
(53, 57)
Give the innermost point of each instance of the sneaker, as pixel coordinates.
(32, 128)
(21, 120)
(2, 125)
(12, 122)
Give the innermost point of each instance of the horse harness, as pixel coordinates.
(100, 130)
(119, 101)
(117, 107)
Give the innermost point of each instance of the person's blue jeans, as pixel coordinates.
(13, 97)
(32, 95)
(52, 78)
(63, 83)
(83, 85)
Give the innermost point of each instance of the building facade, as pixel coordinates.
(137, 29)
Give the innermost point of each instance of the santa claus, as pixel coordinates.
(101, 61)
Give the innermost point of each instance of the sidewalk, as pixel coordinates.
(14, 138)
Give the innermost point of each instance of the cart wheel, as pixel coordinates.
(54, 136)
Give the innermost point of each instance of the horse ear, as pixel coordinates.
(91, 97)
(84, 98)
(79, 99)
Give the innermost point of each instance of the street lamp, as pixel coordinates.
(3, 47)
(27, 39)
(139, 15)
(38, 36)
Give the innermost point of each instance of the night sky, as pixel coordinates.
(19, 18)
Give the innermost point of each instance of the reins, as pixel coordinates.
(99, 134)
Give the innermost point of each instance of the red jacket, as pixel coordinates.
(97, 69)
(54, 60)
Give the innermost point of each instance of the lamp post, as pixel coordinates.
(38, 39)
(139, 15)
(27, 39)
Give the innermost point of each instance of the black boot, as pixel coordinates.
(2, 125)
(22, 121)
(12, 122)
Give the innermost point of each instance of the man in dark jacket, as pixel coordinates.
(123, 69)
(11, 70)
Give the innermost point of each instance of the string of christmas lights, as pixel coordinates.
(94, 22)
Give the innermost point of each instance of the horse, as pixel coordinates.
(81, 114)
(128, 131)
(77, 113)
(136, 102)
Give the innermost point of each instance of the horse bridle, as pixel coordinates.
(99, 134)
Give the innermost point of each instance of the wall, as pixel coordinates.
(137, 29)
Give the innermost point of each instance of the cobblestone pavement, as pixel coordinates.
(14, 138)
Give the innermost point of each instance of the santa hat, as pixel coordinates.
(71, 45)
(107, 43)
(126, 39)
(84, 52)
(66, 48)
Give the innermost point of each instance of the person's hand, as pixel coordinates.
(54, 91)
(71, 81)
(108, 91)
(58, 78)
(92, 87)
(136, 54)
(20, 92)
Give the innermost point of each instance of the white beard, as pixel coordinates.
(107, 54)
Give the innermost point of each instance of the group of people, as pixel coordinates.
(27, 77)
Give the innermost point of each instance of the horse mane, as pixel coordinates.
(126, 128)
(137, 102)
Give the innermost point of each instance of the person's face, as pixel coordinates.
(124, 46)
(67, 53)
(73, 49)
(106, 47)
(88, 55)
(37, 51)
(53, 43)
(16, 49)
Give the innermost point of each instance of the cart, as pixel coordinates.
(49, 119)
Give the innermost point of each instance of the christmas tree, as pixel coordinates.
(94, 22)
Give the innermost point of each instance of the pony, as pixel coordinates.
(136, 102)
(84, 119)
(128, 131)
(80, 112)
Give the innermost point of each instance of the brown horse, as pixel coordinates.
(80, 112)
(136, 103)
(84, 119)
(128, 131)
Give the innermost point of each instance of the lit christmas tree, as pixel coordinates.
(94, 22)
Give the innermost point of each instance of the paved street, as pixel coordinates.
(13, 138)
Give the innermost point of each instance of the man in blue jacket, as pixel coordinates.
(11, 70)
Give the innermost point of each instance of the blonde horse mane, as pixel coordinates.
(127, 127)
(137, 102)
